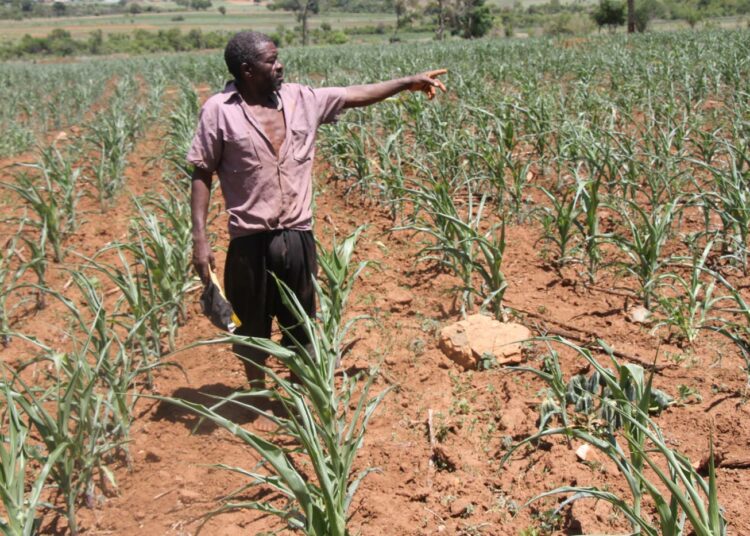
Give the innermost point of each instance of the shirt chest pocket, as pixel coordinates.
(240, 154)
(303, 142)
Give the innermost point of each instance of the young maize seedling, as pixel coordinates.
(690, 309)
(162, 249)
(73, 420)
(11, 270)
(336, 285)
(326, 419)
(559, 224)
(20, 501)
(182, 121)
(44, 201)
(647, 234)
(624, 399)
(730, 200)
(114, 135)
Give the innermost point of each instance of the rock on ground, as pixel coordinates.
(466, 341)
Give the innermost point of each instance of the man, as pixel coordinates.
(258, 136)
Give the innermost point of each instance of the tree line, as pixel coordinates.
(442, 18)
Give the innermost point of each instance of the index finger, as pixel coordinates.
(436, 72)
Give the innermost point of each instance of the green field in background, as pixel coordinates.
(238, 17)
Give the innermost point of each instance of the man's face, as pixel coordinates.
(267, 74)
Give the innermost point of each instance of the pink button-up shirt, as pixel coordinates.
(263, 192)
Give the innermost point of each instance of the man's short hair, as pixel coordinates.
(244, 47)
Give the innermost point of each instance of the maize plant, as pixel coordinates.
(559, 223)
(134, 310)
(52, 197)
(73, 420)
(326, 418)
(20, 500)
(691, 306)
(37, 261)
(11, 271)
(461, 247)
(83, 411)
(336, 285)
(162, 247)
(622, 399)
(643, 244)
(182, 121)
(730, 199)
(113, 134)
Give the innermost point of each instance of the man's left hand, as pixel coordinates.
(427, 82)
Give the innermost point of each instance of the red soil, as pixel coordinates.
(171, 484)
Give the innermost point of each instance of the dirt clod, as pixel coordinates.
(466, 341)
(461, 507)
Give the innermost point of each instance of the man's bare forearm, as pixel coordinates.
(367, 94)
(200, 194)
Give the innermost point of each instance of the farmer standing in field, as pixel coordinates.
(258, 136)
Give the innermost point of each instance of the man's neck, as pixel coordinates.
(254, 97)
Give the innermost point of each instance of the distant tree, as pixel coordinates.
(194, 39)
(95, 42)
(507, 20)
(692, 16)
(474, 19)
(302, 8)
(222, 10)
(200, 5)
(59, 8)
(631, 16)
(467, 18)
(403, 9)
(645, 12)
(440, 10)
(609, 13)
(61, 43)
(135, 8)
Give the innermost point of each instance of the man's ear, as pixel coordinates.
(246, 69)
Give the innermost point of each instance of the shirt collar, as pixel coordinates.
(231, 92)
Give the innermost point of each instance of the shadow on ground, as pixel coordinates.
(208, 395)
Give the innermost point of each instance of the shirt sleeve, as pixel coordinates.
(329, 102)
(206, 149)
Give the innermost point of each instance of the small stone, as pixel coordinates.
(398, 299)
(461, 507)
(188, 496)
(467, 341)
(420, 494)
(639, 315)
(583, 452)
(152, 456)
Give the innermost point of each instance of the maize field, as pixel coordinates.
(595, 190)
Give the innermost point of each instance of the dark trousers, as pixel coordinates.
(252, 290)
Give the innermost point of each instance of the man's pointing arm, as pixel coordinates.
(367, 94)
